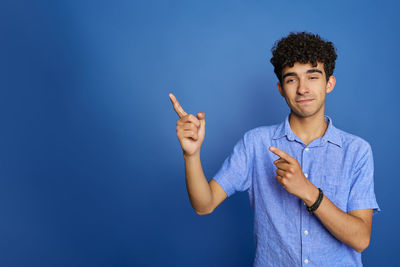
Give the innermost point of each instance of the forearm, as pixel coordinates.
(199, 191)
(349, 229)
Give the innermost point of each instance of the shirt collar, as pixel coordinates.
(331, 134)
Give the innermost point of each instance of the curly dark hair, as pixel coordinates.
(303, 47)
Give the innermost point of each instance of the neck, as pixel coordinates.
(308, 128)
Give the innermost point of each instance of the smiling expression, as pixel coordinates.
(304, 88)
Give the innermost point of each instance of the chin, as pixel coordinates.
(303, 114)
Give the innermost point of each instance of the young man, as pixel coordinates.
(310, 184)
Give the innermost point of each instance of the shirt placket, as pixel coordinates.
(305, 216)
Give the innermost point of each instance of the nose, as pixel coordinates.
(303, 87)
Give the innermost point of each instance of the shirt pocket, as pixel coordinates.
(336, 191)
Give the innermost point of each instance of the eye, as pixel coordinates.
(313, 77)
(289, 80)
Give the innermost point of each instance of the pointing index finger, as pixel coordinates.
(281, 154)
(177, 107)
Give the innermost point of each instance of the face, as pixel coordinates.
(304, 88)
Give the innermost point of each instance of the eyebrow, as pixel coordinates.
(295, 74)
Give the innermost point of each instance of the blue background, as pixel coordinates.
(91, 170)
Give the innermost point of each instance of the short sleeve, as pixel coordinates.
(362, 194)
(234, 175)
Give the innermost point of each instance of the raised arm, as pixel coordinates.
(204, 196)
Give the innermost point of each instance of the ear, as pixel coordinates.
(280, 89)
(330, 84)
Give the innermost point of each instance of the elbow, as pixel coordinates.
(204, 212)
(363, 245)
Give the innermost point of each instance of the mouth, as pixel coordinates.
(305, 101)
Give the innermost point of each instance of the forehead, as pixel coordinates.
(300, 68)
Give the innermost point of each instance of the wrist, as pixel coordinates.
(317, 203)
(311, 196)
(195, 155)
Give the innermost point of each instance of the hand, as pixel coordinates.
(189, 129)
(290, 175)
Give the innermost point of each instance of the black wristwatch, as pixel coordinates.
(315, 206)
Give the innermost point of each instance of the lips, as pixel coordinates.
(304, 101)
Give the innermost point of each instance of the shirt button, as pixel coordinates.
(306, 261)
(306, 232)
(307, 149)
(306, 175)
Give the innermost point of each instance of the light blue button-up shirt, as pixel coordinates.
(339, 163)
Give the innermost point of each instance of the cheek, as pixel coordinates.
(320, 90)
(322, 96)
(289, 92)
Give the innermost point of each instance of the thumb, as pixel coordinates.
(202, 130)
(201, 115)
